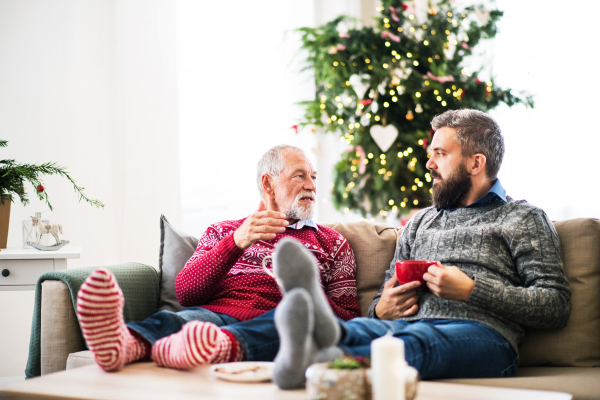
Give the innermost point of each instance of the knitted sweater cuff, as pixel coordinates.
(482, 292)
(228, 250)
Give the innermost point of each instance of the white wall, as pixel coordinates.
(92, 86)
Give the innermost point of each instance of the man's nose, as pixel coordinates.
(310, 184)
(430, 164)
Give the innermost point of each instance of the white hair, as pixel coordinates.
(272, 163)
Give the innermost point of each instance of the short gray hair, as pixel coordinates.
(476, 132)
(272, 163)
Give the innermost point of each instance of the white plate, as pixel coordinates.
(245, 371)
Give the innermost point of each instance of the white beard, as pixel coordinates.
(297, 211)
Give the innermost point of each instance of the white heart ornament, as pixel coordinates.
(384, 136)
(483, 16)
(359, 87)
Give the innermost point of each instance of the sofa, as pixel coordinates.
(567, 360)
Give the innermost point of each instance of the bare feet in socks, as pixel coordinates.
(296, 324)
(296, 267)
(197, 343)
(100, 313)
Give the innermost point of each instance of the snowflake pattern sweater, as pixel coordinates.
(223, 278)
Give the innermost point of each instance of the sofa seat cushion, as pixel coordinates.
(80, 359)
(583, 383)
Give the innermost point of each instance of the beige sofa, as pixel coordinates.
(566, 361)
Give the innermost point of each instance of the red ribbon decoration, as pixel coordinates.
(295, 128)
(440, 79)
(394, 15)
(386, 34)
(362, 167)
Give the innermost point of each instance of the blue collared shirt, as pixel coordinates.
(496, 193)
(302, 223)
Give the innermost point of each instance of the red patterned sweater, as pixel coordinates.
(223, 278)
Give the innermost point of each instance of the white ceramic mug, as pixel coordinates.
(264, 265)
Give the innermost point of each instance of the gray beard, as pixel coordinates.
(296, 211)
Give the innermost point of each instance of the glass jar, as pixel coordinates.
(30, 233)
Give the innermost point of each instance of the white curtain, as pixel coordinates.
(239, 78)
(239, 81)
(550, 159)
(92, 85)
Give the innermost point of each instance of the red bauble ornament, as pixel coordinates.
(40, 188)
(404, 6)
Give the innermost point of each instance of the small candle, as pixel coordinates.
(387, 368)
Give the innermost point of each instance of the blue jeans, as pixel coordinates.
(165, 323)
(258, 337)
(438, 348)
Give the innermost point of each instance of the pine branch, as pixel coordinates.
(13, 176)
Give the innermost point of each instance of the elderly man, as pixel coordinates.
(224, 281)
(499, 270)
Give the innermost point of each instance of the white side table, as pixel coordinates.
(20, 268)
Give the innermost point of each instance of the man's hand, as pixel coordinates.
(262, 225)
(397, 302)
(448, 282)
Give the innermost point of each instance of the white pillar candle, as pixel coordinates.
(387, 368)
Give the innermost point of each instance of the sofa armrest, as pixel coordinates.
(60, 334)
(140, 286)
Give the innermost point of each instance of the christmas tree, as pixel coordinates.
(379, 88)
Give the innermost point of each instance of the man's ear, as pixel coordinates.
(267, 184)
(479, 162)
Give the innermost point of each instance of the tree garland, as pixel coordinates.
(374, 83)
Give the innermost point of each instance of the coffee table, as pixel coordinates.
(146, 381)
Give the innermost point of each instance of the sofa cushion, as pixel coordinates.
(80, 359)
(578, 344)
(176, 248)
(373, 245)
(582, 383)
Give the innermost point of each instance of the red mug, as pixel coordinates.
(413, 270)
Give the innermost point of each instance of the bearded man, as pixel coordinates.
(499, 269)
(224, 282)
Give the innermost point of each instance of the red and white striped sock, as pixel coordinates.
(197, 343)
(100, 312)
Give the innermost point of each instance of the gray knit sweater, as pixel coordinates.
(512, 252)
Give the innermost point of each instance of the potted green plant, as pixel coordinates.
(13, 177)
